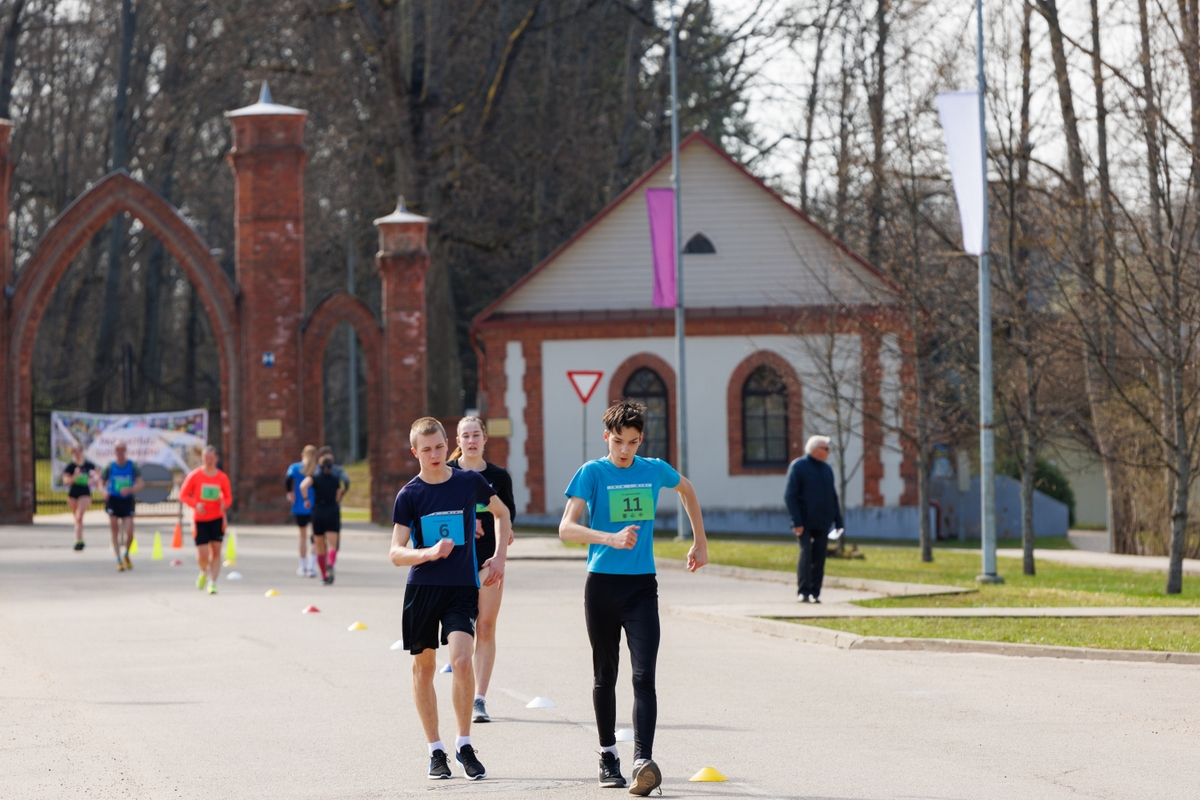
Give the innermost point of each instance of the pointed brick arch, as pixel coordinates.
(335, 309)
(117, 192)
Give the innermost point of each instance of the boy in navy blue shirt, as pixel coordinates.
(621, 592)
(434, 534)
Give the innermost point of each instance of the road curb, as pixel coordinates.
(889, 588)
(844, 640)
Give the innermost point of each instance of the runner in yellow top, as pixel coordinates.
(207, 491)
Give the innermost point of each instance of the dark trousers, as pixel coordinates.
(810, 572)
(612, 603)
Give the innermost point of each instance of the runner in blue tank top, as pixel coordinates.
(302, 505)
(122, 481)
(620, 493)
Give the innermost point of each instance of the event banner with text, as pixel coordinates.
(172, 439)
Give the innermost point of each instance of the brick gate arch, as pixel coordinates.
(335, 309)
(117, 192)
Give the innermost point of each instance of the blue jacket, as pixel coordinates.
(811, 497)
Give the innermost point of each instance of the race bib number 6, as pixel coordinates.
(630, 503)
(443, 525)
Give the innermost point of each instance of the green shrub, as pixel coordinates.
(1047, 479)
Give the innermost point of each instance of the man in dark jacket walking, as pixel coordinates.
(812, 502)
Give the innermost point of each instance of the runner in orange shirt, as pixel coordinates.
(207, 491)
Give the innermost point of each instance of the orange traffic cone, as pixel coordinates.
(177, 539)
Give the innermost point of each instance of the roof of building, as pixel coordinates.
(768, 253)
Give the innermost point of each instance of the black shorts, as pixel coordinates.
(485, 548)
(327, 523)
(78, 490)
(120, 507)
(212, 530)
(303, 520)
(425, 607)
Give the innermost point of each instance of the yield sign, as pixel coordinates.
(585, 382)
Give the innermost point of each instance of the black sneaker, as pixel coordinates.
(439, 767)
(79, 545)
(816, 599)
(646, 778)
(610, 771)
(480, 712)
(471, 766)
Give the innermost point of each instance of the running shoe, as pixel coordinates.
(610, 771)
(471, 766)
(79, 545)
(816, 599)
(120, 565)
(646, 777)
(329, 575)
(301, 572)
(128, 563)
(480, 710)
(212, 587)
(439, 767)
(200, 581)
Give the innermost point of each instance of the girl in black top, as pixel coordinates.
(79, 475)
(469, 456)
(328, 484)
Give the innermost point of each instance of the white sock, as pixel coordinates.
(460, 741)
(612, 749)
(312, 562)
(436, 746)
(479, 698)
(639, 762)
(303, 563)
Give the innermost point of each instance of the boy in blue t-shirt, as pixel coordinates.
(621, 592)
(434, 534)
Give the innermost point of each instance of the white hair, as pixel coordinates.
(813, 442)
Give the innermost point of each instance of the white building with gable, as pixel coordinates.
(789, 333)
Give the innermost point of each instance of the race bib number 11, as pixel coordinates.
(443, 525)
(630, 503)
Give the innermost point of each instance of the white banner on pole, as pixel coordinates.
(172, 439)
(959, 112)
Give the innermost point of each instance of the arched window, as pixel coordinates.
(764, 419)
(646, 387)
(699, 245)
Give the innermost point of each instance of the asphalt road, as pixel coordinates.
(135, 685)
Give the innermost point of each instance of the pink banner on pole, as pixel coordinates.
(660, 203)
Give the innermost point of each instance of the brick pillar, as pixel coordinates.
(268, 159)
(12, 508)
(403, 260)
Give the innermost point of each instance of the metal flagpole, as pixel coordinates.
(682, 528)
(353, 360)
(987, 433)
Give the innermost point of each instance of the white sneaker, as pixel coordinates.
(301, 572)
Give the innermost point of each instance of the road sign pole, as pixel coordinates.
(583, 436)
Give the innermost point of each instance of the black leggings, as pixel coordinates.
(612, 603)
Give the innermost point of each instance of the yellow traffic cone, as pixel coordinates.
(133, 548)
(231, 549)
(156, 554)
(272, 593)
(708, 775)
(358, 626)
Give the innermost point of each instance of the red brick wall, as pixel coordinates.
(403, 264)
(268, 159)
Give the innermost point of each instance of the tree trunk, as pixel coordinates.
(110, 312)
(875, 107)
(8, 71)
(810, 106)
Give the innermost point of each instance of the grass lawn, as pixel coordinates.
(1179, 634)
(1054, 585)
(359, 495)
